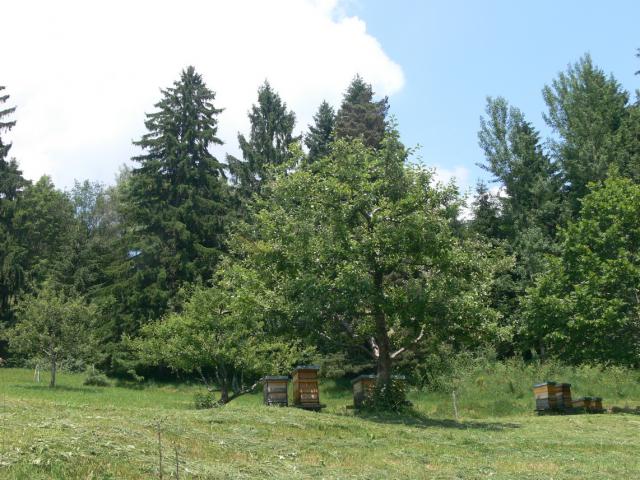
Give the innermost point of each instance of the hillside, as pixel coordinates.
(101, 433)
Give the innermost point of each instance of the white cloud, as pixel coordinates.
(84, 73)
(459, 174)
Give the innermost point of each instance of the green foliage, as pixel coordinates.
(586, 108)
(388, 397)
(53, 327)
(175, 203)
(96, 379)
(268, 144)
(321, 133)
(486, 211)
(204, 400)
(223, 331)
(356, 252)
(360, 116)
(5, 125)
(12, 253)
(586, 307)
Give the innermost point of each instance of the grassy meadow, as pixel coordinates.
(74, 431)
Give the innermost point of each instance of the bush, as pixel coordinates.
(96, 379)
(204, 400)
(389, 398)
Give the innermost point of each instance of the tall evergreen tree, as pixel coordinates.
(175, 202)
(361, 116)
(531, 208)
(12, 254)
(515, 157)
(586, 108)
(320, 135)
(486, 213)
(268, 144)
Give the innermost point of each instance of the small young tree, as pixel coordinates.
(222, 333)
(52, 327)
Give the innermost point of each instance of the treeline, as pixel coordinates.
(333, 246)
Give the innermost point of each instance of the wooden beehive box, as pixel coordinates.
(306, 393)
(563, 395)
(275, 390)
(363, 387)
(590, 404)
(546, 398)
(597, 404)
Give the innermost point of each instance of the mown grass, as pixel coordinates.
(111, 433)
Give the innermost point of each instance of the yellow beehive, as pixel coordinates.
(306, 393)
(546, 398)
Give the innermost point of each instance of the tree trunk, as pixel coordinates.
(384, 358)
(382, 335)
(54, 366)
(221, 374)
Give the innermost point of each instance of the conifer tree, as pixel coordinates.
(586, 108)
(176, 201)
(268, 144)
(486, 213)
(12, 254)
(361, 116)
(320, 135)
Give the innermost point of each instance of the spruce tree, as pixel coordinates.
(268, 144)
(361, 116)
(515, 157)
(486, 213)
(12, 254)
(320, 135)
(176, 201)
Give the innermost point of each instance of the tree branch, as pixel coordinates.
(374, 347)
(412, 345)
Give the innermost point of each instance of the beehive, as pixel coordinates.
(597, 403)
(275, 390)
(590, 404)
(546, 398)
(563, 395)
(305, 387)
(363, 387)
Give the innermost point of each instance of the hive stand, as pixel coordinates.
(306, 393)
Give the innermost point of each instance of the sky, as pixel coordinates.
(83, 74)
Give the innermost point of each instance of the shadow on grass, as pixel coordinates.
(59, 388)
(413, 418)
(339, 387)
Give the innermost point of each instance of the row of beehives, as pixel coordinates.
(556, 397)
(306, 393)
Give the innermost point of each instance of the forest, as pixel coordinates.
(336, 247)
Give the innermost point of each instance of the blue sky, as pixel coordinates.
(454, 53)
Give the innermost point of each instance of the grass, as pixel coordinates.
(74, 431)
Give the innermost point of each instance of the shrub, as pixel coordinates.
(389, 398)
(204, 400)
(96, 379)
